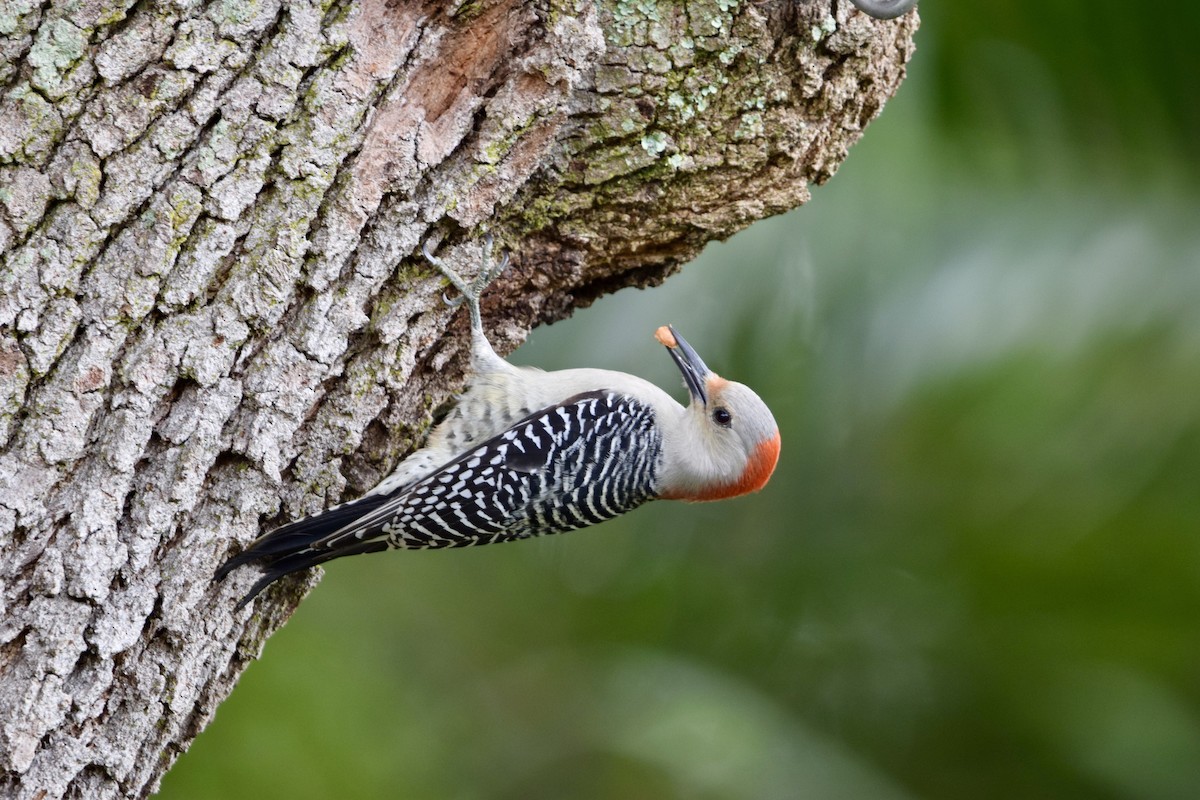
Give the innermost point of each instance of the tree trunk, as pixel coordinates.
(214, 316)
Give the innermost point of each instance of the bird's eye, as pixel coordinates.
(722, 417)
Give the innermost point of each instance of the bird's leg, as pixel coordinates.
(481, 349)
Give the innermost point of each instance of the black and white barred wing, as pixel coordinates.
(583, 461)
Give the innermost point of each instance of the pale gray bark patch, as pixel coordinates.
(214, 314)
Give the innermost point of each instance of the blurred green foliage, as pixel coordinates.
(977, 570)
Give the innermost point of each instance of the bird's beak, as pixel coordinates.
(695, 373)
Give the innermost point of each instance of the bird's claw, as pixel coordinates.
(429, 256)
(469, 292)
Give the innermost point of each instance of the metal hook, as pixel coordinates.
(884, 9)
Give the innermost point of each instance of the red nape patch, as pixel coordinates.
(754, 477)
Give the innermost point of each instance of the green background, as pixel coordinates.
(976, 572)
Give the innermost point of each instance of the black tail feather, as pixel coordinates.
(296, 562)
(297, 545)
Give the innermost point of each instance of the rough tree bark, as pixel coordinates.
(214, 316)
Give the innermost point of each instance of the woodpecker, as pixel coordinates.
(528, 453)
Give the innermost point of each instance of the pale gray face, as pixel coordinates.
(736, 409)
(730, 406)
(733, 443)
(736, 438)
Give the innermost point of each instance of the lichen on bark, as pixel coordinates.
(214, 315)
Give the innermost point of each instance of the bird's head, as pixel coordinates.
(728, 444)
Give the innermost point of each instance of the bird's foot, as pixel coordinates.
(469, 292)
